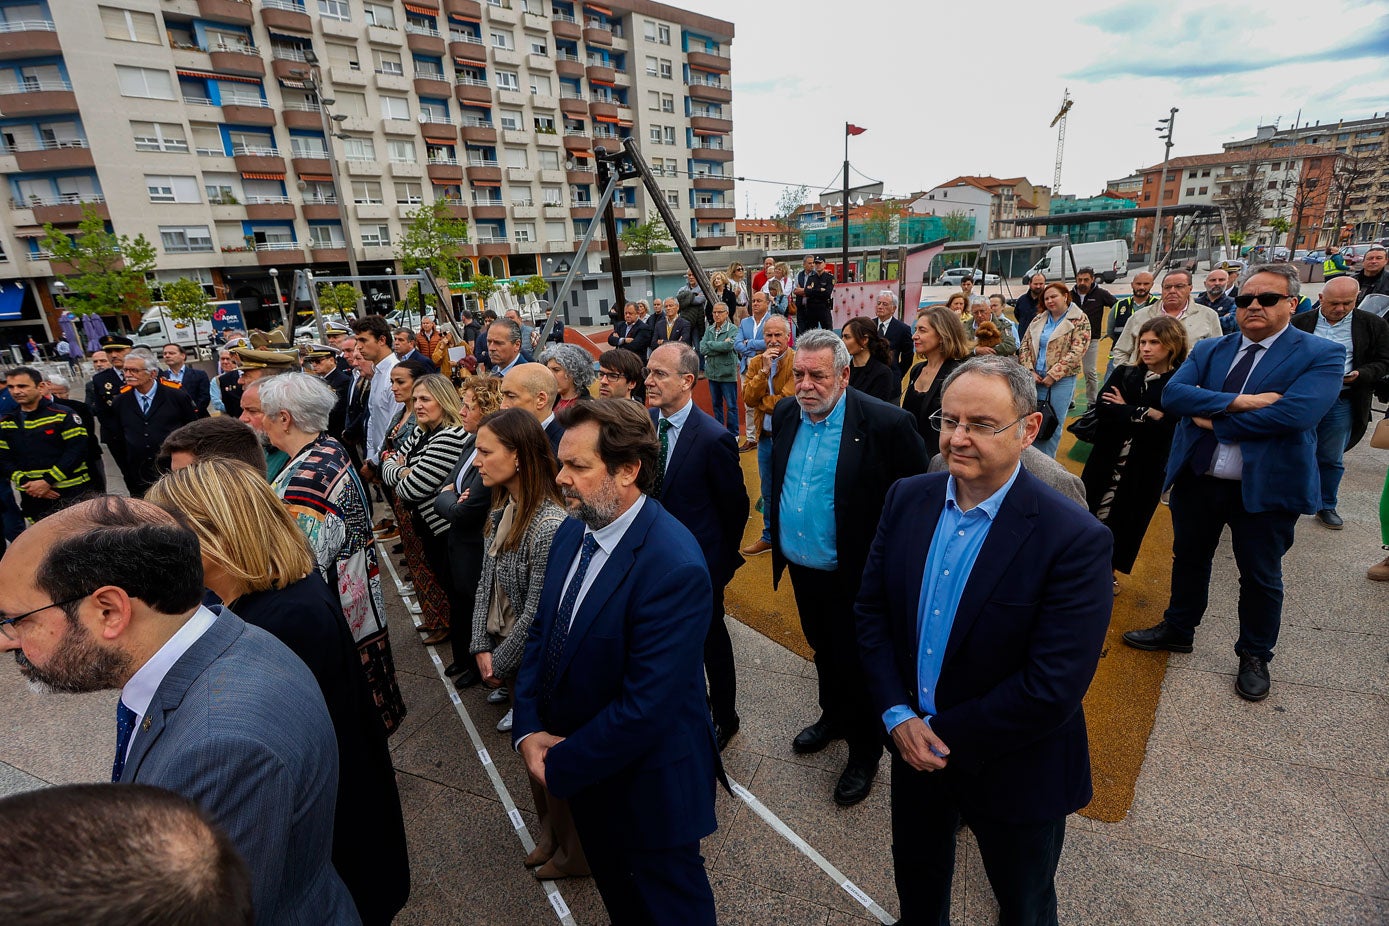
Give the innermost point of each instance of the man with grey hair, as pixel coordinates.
(1242, 457)
(504, 346)
(404, 345)
(835, 454)
(953, 660)
(146, 413)
(1199, 321)
(895, 332)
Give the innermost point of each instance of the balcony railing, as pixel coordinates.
(287, 54)
(491, 239)
(253, 101)
(62, 199)
(435, 119)
(482, 162)
(575, 133)
(571, 95)
(45, 145)
(320, 200)
(277, 245)
(333, 243)
(412, 29)
(451, 162)
(304, 106)
(308, 152)
(40, 255)
(567, 56)
(28, 25)
(198, 101)
(467, 37)
(476, 122)
(563, 17)
(34, 85)
(484, 201)
(471, 81)
(705, 82)
(243, 48)
(581, 168)
(268, 200)
(429, 75)
(289, 5)
(256, 150)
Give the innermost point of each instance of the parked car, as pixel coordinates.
(954, 275)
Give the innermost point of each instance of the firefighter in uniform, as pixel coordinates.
(43, 448)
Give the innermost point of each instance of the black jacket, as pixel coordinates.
(198, 387)
(640, 333)
(876, 378)
(1369, 339)
(1095, 304)
(337, 419)
(1376, 286)
(142, 436)
(229, 385)
(899, 344)
(106, 388)
(680, 330)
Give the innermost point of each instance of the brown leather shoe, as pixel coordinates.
(757, 548)
(747, 445)
(1379, 572)
(439, 636)
(553, 871)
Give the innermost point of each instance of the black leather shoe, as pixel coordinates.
(855, 783)
(466, 679)
(1252, 683)
(1329, 518)
(1159, 636)
(725, 732)
(814, 737)
(454, 669)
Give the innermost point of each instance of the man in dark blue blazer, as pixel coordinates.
(631, 333)
(190, 379)
(982, 614)
(1244, 455)
(670, 327)
(610, 710)
(701, 484)
(146, 412)
(897, 333)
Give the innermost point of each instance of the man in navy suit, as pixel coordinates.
(105, 595)
(610, 706)
(631, 333)
(146, 412)
(981, 618)
(190, 379)
(1245, 454)
(670, 327)
(533, 387)
(895, 332)
(700, 482)
(835, 453)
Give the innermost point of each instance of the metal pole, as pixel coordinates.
(1162, 182)
(844, 217)
(280, 303)
(658, 199)
(603, 199)
(343, 215)
(313, 302)
(605, 177)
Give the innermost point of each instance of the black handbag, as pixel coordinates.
(1049, 420)
(1087, 425)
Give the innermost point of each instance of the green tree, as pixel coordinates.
(959, 225)
(484, 287)
(186, 301)
(531, 286)
(338, 299)
(791, 199)
(649, 237)
(431, 241)
(108, 270)
(880, 226)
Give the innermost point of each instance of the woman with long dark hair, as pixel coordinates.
(870, 366)
(1124, 475)
(940, 344)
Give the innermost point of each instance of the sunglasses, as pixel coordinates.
(1267, 300)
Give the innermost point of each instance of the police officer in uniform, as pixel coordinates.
(322, 361)
(336, 333)
(106, 388)
(43, 448)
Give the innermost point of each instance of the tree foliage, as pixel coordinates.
(108, 270)
(531, 286)
(959, 225)
(431, 241)
(186, 301)
(484, 287)
(881, 223)
(649, 237)
(340, 298)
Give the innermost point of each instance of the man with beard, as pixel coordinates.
(106, 596)
(251, 413)
(610, 703)
(1030, 302)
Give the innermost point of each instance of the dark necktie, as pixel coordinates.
(656, 486)
(1204, 452)
(125, 726)
(145, 401)
(560, 633)
(882, 329)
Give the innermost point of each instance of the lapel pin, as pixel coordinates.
(146, 725)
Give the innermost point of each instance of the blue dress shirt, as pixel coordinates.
(808, 536)
(1042, 339)
(955, 545)
(1339, 332)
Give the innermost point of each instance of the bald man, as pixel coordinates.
(533, 387)
(1218, 297)
(1365, 338)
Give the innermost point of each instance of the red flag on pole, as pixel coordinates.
(852, 129)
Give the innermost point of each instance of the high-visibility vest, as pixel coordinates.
(1330, 269)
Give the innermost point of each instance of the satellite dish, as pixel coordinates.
(421, 118)
(568, 163)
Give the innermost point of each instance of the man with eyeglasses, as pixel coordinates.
(954, 650)
(1243, 457)
(1199, 321)
(835, 454)
(619, 375)
(106, 595)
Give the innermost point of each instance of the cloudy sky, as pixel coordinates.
(943, 92)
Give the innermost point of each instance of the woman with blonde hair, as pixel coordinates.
(259, 563)
(941, 345)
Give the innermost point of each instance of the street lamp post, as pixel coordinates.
(1164, 130)
(280, 302)
(315, 85)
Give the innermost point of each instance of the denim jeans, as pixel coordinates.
(723, 397)
(1332, 434)
(1060, 397)
(764, 475)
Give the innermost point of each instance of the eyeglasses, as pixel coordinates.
(947, 425)
(607, 375)
(1267, 300)
(7, 625)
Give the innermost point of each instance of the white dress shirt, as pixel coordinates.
(1228, 462)
(139, 691)
(382, 406)
(677, 424)
(608, 538)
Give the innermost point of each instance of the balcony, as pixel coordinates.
(472, 90)
(436, 87)
(598, 35)
(573, 106)
(569, 66)
(713, 213)
(447, 169)
(29, 38)
(237, 59)
(249, 111)
(256, 160)
(468, 47)
(577, 141)
(713, 183)
(478, 132)
(580, 176)
(328, 255)
(313, 166)
(486, 171)
(424, 41)
(566, 27)
(227, 11)
(492, 247)
(469, 8)
(709, 241)
(489, 209)
(270, 253)
(65, 209)
(53, 155)
(600, 72)
(439, 131)
(582, 211)
(320, 210)
(706, 61)
(709, 93)
(285, 15)
(32, 97)
(712, 154)
(302, 116)
(712, 125)
(600, 109)
(285, 67)
(275, 208)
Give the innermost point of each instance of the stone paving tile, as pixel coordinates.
(59, 738)
(14, 781)
(753, 651)
(744, 903)
(424, 699)
(1366, 801)
(1302, 903)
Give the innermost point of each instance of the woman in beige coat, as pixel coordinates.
(1053, 349)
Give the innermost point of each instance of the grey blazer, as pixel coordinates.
(522, 574)
(1052, 473)
(218, 732)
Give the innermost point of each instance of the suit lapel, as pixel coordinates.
(850, 449)
(1283, 349)
(915, 552)
(684, 445)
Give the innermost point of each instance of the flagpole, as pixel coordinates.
(844, 218)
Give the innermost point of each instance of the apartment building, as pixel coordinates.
(239, 136)
(1359, 194)
(992, 202)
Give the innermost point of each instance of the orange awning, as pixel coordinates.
(695, 67)
(468, 63)
(208, 75)
(421, 10)
(582, 154)
(625, 123)
(248, 176)
(316, 178)
(489, 183)
(602, 83)
(438, 182)
(464, 19)
(605, 118)
(598, 9)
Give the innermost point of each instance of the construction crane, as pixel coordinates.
(1066, 103)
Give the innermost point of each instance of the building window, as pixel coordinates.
(388, 62)
(366, 193)
(1204, 190)
(326, 236)
(655, 134)
(539, 46)
(521, 196)
(376, 236)
(673, 198)
(652, 66)
(335, 9)
(395, 107)
(663, 34)
(401, 151)
(667, 103)
(502, 39)
(552, 196)
(507, 80)
(408, 194)
(377, 14)
(158, 136)
(540, 85)
(164, 189)
(145, 83)
(1191, 191)
(669, 131)
(185, 239)
(549, 160)
(667, 70)
(125, 25)
(359, 149)
(516, 157)
(545, 124)
(511, 120)
(525, 231)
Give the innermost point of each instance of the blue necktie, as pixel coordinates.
(1204, 452)
(125, 727)
(555, 649)
(145, 401)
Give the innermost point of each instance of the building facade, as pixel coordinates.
(1095, 231)
(1008, 199)
(238, 136)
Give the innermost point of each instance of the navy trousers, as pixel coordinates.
(644, 887)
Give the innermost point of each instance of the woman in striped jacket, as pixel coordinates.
(421, 467)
